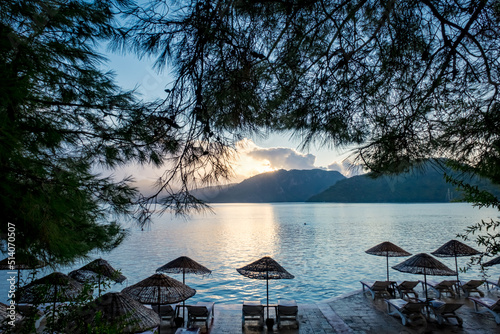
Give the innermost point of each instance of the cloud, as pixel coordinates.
(250, 161)
(346, 168)
(284, 158)
(275, 157)
(253, 160)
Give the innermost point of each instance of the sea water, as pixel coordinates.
(322, 244)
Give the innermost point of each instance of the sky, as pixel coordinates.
(256, 155)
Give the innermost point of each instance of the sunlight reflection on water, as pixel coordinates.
(322, 245)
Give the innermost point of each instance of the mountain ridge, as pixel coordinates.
(278, 186)
(426, 185)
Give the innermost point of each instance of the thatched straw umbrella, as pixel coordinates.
(265, 268)
(455, 248)
(492, 262)
(95, 270)
(116, 306)
(184, 265)
(159, 289)
(424, 264)
(387, 249)
(52, 288)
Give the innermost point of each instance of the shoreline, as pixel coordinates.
(357, 312)
(352, 312)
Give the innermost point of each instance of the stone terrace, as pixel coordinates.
(353, 313)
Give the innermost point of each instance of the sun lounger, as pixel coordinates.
(409, 311)
(378, 288)
(287, 310)
(252, 310)
(444, 311)
(166, 313)
(488, 305)
(201, 312)
(495, 284)
(406, 289)
(441, 287)
(472, 286)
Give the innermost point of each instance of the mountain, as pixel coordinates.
(278, 186)
(423, 186)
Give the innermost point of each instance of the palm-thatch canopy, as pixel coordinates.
(184, 265)
(50, 288)
(98, 267)
(424, 264)
(159, 289)
(265, 268)
(492, 262)
(454, 248)
(121, 310)
(388, 249)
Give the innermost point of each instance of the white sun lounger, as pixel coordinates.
(488, 305)
(166, 313)
(442, 287)
(252, 310)
(377, 288)
(201, 312)
(287, 310)
(472, 286)
(444, 311)
(409, 311)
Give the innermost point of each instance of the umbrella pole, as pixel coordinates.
(267, 292)
(458, 281)
(425, 284)
(183, 302)
(159, 309)
(54, 307)
(387, 257)
(426, 297)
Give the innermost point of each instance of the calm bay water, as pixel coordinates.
(321, 244)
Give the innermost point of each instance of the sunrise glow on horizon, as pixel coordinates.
(250, 160)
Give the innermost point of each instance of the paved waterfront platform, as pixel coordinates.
(353, 313)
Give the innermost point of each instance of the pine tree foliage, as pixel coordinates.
(62, 118)
(406, 80)
(403, 81)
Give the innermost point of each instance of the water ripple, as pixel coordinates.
(322, 245)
